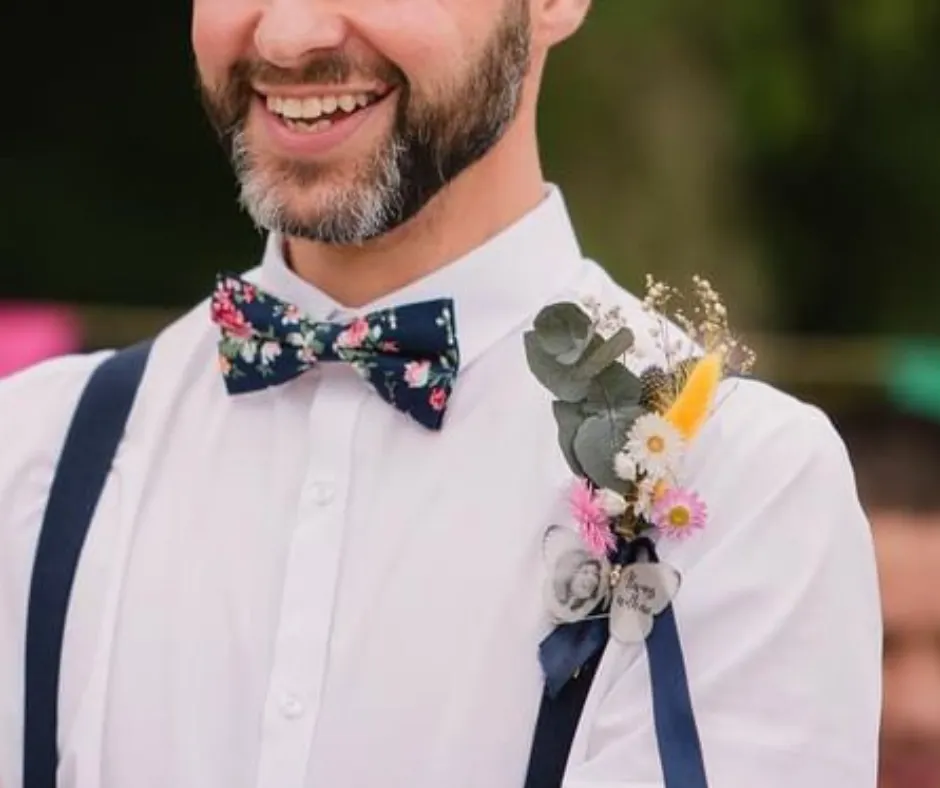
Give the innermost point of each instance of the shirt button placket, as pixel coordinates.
(310, 580)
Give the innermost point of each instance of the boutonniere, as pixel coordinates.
(625, 435)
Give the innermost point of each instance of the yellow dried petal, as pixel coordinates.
(659, 490)
(689, 411)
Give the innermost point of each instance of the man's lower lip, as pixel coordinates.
(302, 142)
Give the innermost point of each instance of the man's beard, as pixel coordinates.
(431, 142)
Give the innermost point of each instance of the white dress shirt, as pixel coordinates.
(303, 588)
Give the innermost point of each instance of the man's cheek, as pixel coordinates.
(222, 33)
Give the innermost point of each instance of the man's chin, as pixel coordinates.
(307, 211)
(331, 228)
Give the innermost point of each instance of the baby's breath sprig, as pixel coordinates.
(605, 321)
(703, 317)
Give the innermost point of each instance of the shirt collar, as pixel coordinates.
(495, 287)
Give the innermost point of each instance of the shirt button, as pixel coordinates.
(292, 707)
(321, 493)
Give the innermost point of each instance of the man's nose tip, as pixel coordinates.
(289, 32)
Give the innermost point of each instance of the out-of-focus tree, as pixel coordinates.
(789, 146)
(840, 115)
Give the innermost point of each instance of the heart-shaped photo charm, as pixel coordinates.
(576, 580)
(643, 592)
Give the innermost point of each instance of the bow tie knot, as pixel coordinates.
(408, 353)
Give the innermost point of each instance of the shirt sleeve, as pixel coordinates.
(35, 410)
(778, 613)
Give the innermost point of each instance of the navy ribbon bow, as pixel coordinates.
(408, 353)
(570, 647)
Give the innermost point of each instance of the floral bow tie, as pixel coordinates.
(409, 353)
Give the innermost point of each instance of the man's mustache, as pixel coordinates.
(328, 68)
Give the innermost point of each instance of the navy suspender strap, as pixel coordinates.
(680, 751)
(91, 442)
(556, 726)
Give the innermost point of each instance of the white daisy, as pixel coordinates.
(655, 445)
(612, 502)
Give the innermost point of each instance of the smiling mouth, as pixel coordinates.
(320, 113)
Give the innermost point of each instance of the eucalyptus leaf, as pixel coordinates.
(597, 442)
(574, 357)
(564, 331)
(559, 379)
(569, 417)
(596, 361)
(616, 388)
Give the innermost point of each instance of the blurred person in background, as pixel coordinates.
(33, 333)
(896, 452)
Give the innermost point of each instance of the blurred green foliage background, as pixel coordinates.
(786, 148)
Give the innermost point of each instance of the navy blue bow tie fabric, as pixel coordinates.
(408, 353)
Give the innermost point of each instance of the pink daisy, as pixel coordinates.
(678, 513)
(591, 518)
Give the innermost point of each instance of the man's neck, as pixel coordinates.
(485, 199)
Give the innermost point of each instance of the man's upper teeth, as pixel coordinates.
(315, 107)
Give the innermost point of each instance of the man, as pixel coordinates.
(898, 459)
(280, 588)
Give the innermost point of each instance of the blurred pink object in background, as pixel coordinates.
(30, 333)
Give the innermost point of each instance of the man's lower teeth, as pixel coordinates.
(303, 125)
